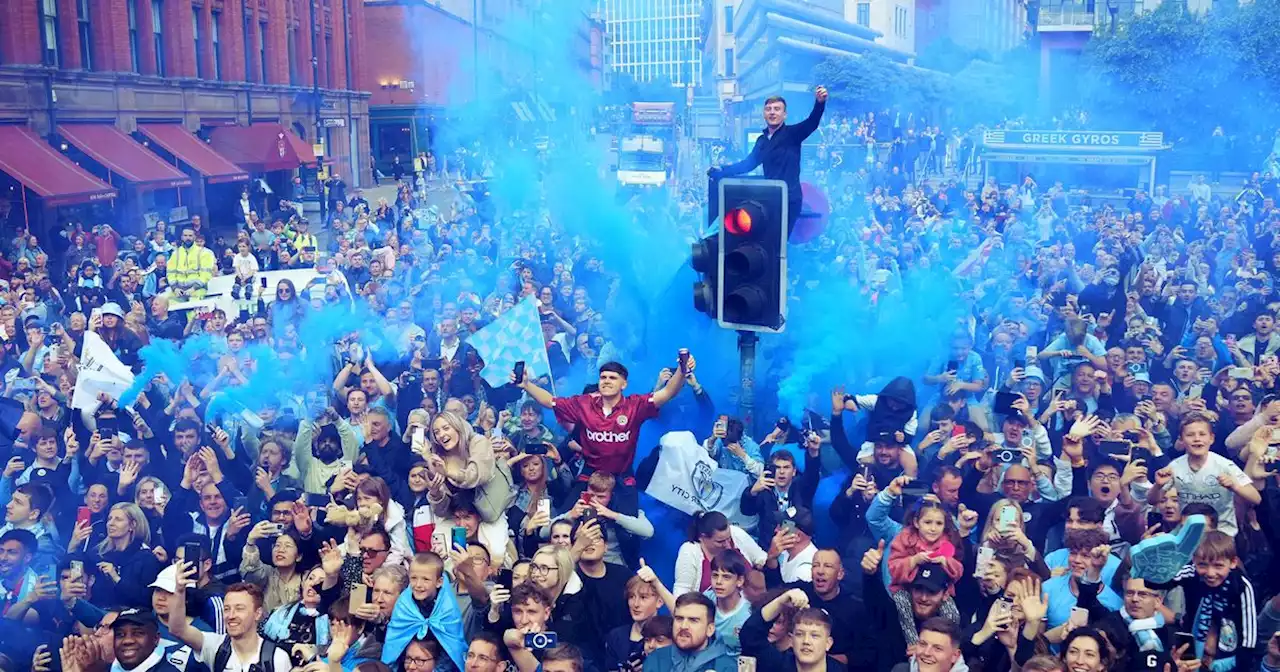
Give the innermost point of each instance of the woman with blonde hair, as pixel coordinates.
(1006, 532)
(124, 560)
(152, 496)
(466, 461)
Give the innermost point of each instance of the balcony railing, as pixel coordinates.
(1069, 17)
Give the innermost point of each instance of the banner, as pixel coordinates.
(688, 480)
(516, 336)
(100, 372)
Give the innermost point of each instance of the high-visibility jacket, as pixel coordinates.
(194, 264)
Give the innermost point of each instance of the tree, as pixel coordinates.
(1183, 73)
(871, 81)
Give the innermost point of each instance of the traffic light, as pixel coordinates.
(706, 261)
(751, 285)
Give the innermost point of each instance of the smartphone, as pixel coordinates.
(83, 515)
(241, 503)
(75, 570)
(952, 365)
(985, 555)
(1154, 518)
(459, 537)
(1032, 353)
(721, 426)
(957, 430)
(263, 280)
(784, 424)
(1008, 518)
(503, 578)
(544, 506)
(317, 501)
(191, 551)
(866, 472)
(1240, 372)
(1113, 448)
(1145, 455)
(788, 527)
(360, 596)
(1003, 606)
(1185, 638)
(536, 449)
(1019, 364)
(1079, 617)
(1003, 403)
(108, 427)
(684, 360)
(519, 371)
(419, 435)
(746, 664)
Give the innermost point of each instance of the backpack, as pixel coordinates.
(266, 656)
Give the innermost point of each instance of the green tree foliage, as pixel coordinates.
(1184, 73)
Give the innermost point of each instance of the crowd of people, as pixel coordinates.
(328, 481)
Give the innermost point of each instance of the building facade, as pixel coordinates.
(434, 55)
(655, 39)
(207, 66)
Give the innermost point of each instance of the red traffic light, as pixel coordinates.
(738, 222)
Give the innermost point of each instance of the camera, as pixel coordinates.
(541, 640)
(1006, 456)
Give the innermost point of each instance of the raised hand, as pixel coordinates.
(871, 559)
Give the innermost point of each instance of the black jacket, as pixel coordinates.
(780, 154)
(755, 643)
(766, 505)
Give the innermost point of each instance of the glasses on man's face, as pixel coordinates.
(372, 552)
(542, 570)
(480, 658)
(418, 663)
(1106, 478)
(1141, 594)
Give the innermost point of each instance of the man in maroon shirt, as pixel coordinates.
(609, 422)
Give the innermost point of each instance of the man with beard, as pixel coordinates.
(938, 649)
(191, 267)
(810, 637)
(136, 644)
(324, 451)
(895, 617)
(696, 648)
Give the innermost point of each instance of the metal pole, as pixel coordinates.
(315, 77)
(351, 124)
(747, 379)
(475, 51)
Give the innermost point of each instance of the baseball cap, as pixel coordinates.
(143, 617)
(1034, 372)
(930, 577)
(892, 436)
(167, 580)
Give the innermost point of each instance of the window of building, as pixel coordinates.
(50, 54)
(293, 56)
(248, 48)
(135, 56)
(900, 21)
(195, 30)
(728, 19)
(864, 14)
(86, 34)
(157, 33)
(728, 62)
(262, 48)
(215, 34)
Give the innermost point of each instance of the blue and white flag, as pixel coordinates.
(516, 336)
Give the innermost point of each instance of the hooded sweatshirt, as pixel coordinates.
(671, 659)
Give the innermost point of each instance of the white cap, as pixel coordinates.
(167, 580)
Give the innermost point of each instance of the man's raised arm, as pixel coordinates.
(543, 397)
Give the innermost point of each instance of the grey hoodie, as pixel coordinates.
(715, 657)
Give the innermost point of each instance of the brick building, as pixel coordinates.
(430, 51)
(83, 76)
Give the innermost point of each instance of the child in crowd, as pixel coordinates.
(928, 535)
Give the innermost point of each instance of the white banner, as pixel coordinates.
(687, 479)
(100, 371)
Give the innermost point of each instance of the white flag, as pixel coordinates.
(516, 336)
(100, 371)
(687, 479)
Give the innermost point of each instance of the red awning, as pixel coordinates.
(194, 152)
(263, 147)
(119, 154)
(27, 158)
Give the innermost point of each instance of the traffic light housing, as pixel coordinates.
(751, 282)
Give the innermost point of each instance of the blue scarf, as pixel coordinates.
(408, 623)
(1144, 631)
(277, 626)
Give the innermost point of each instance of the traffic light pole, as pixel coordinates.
(747, 379)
